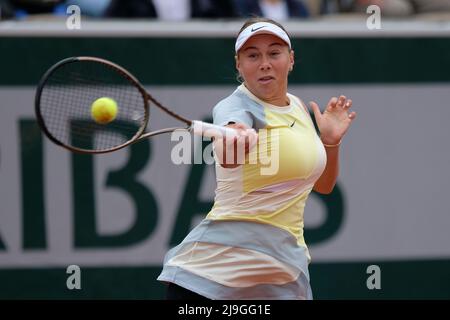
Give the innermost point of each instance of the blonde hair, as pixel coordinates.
(254, 20)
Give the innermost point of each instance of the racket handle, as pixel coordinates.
(212, 131)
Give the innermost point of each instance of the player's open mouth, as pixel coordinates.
(265, 80)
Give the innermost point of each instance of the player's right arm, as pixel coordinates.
(231, 151)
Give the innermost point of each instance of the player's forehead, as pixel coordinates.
(262, 42)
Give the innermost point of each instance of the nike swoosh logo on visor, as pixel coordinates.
(253, 30)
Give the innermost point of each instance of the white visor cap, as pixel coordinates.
(261, 28)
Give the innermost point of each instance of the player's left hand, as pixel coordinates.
(334, 122)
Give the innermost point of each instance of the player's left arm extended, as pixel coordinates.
(333, 125)
(327, 180)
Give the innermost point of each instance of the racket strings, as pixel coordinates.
(66, 101)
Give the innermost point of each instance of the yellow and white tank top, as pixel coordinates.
(251, 244)
(290, 158)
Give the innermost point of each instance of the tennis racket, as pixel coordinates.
(69, 88)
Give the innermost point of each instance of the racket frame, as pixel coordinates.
(195, 126)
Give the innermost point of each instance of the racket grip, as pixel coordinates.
(212, 131)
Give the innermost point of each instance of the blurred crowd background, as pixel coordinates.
(181, 10)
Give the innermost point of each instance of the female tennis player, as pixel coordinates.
(251, 244)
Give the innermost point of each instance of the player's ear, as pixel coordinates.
(291, 59)
(238, 68)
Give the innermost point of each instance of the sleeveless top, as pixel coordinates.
(251, 244)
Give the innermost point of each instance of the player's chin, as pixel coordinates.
(267, 92)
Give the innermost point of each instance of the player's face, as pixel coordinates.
(264, 62)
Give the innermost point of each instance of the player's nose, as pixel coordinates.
(265, 64)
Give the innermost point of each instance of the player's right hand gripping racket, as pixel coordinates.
(67, 91)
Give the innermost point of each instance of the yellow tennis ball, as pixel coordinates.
(104, 110)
